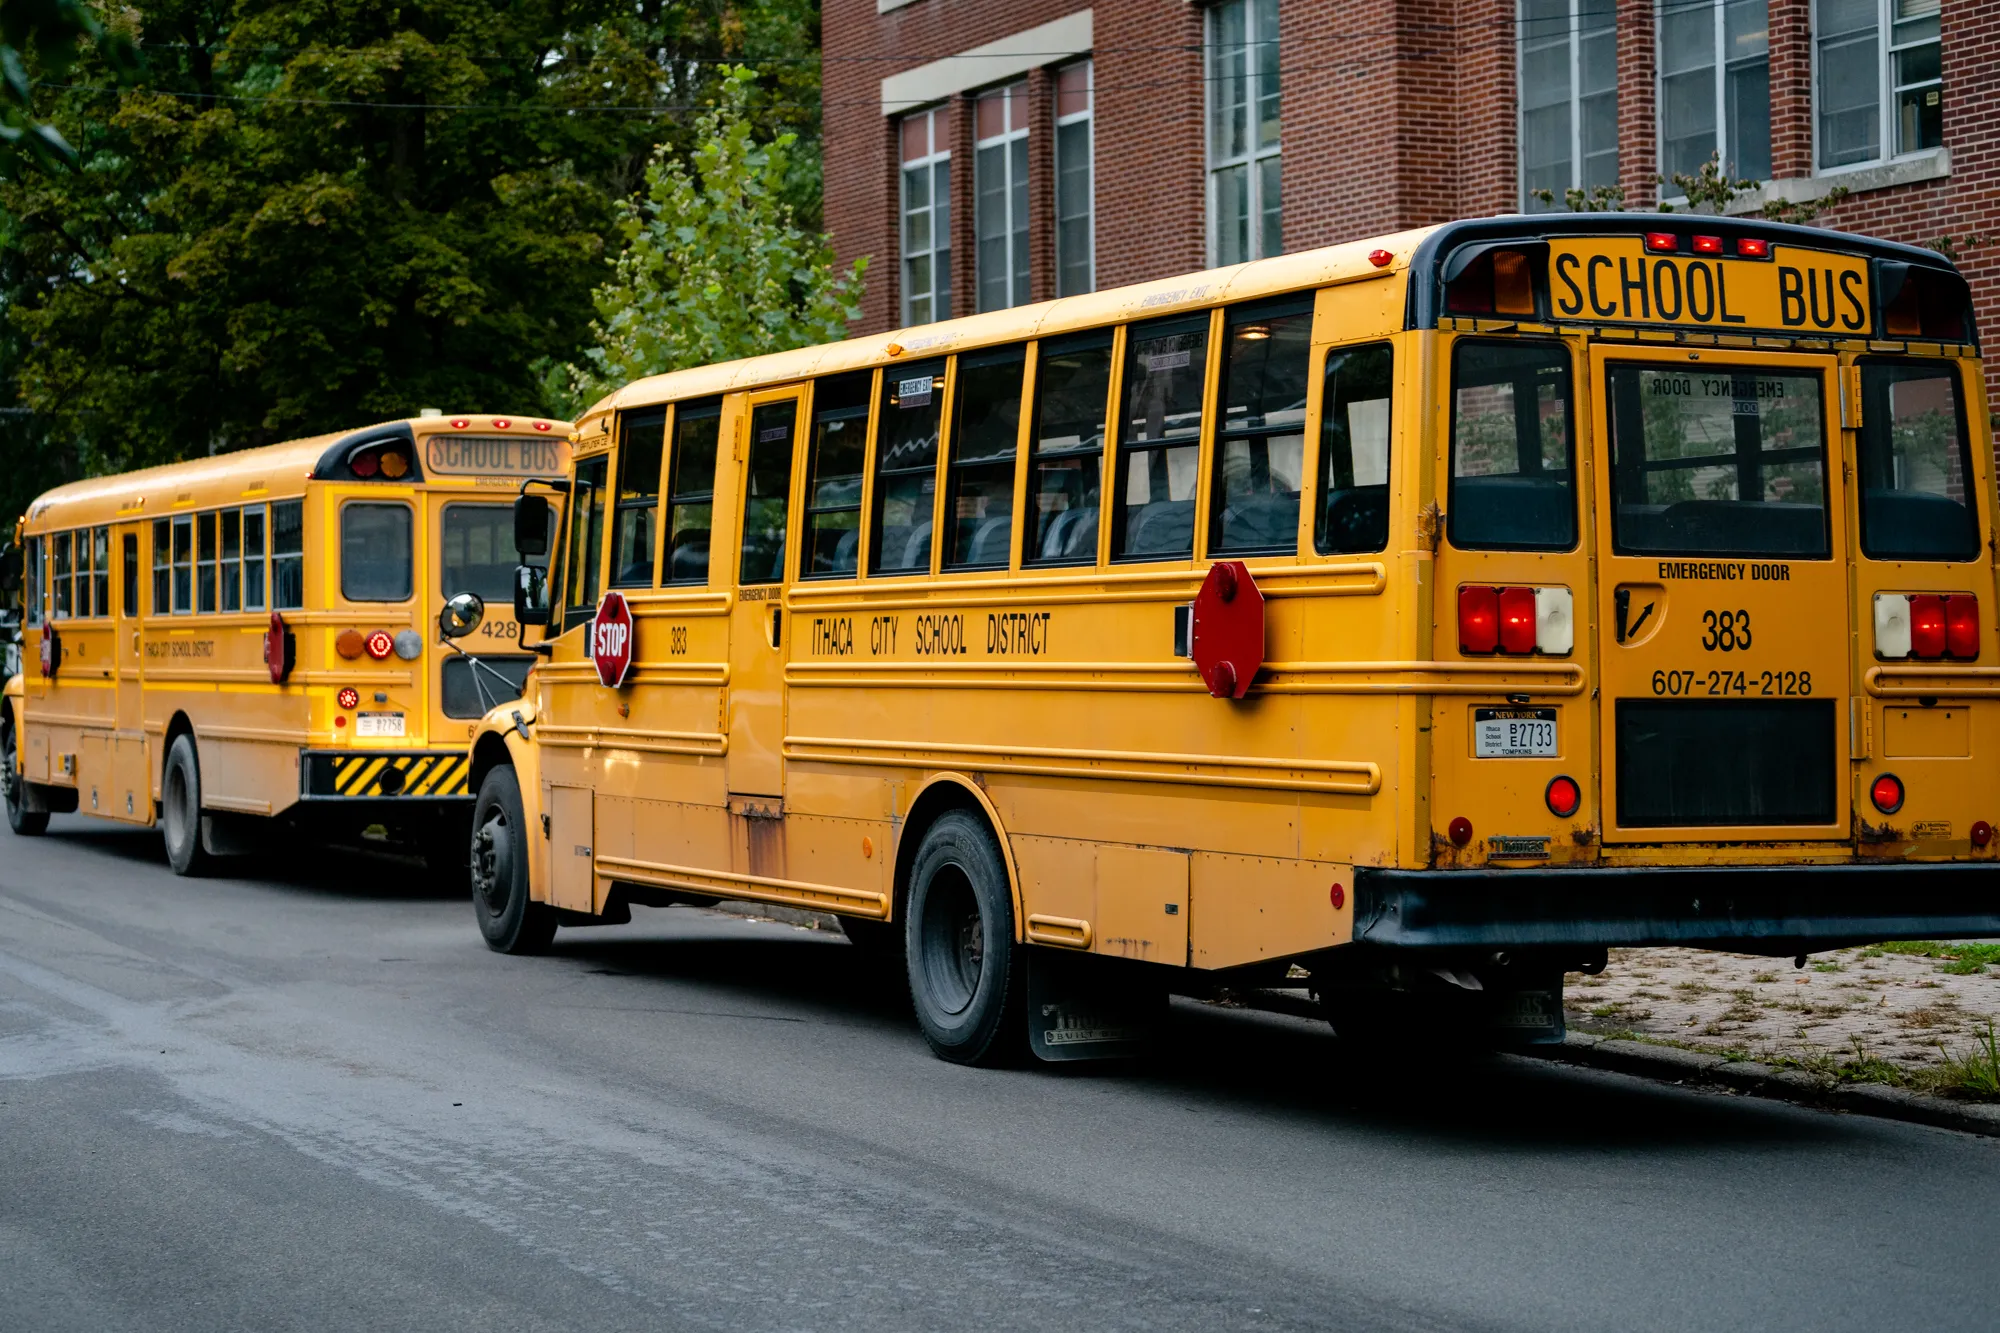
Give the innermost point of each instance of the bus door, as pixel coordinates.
(131, 774)
(757, 629)
(1722, 595)
(474, 553)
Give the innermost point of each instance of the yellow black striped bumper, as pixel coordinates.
(385, 775)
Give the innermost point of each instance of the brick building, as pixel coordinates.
(992, 152)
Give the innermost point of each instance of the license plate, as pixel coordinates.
(1514, 733)
(378, 724)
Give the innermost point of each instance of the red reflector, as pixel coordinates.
(1337, 895)
(1961, 625)
(1887, 793)
(1752, 247)
(1662, 240)
(339, 719)
(1380, 258)
(1517, 620)
(1927, 634)
(364, 465)
(1982, 833)
(1708, 245)
(1460, 830)
(1563, 796)
(380, 644)
(1478, 620)
(501, 423)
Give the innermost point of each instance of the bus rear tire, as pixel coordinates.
(27, 823)
(965, 970)
(511, 921)
(180, 809)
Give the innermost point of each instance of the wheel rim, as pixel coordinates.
(953, 939)
(176, 806)
(492, 848)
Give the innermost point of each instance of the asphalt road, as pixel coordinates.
(308, 1097)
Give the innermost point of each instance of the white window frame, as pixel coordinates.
(937, 127)
(1719, 69)
(1885, 92)
(1574, 41)
(1251, 161)
(1013, 131)
(1088, 119)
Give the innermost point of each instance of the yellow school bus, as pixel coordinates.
(243, 643)
(1413, 620)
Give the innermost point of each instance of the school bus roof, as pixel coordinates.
(1422, 249)
(272, 471)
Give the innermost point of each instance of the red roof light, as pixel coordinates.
(459, 423)
(501, 423)
(543, 425)
(1708, 245)
(1662, 240)
(1753, 247)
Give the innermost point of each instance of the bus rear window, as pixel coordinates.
(1915, 458)
(1512, 457)
(1717, 460)
(375, 552)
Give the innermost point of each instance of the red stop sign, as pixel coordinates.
(1228, 629)
(611, 640)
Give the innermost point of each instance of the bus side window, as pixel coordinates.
(288, 555)
(586, 541)
(253, 557)
(1512, 475)
(1066, 465)
(767, 492)
(128, 563)
(1354, 452)
(59, 576)
(643, 437)
(100, 571)
(184, 564)
(163, 571)
(1260, 442)
(985, 436)
(1916, 456)
(204, 527)
(232, 560)
(31, 584)
(1159, 453)
(834, 470)
(906, 441)
(691, 492)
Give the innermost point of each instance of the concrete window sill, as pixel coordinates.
(1931, 166)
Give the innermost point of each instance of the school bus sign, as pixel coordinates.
(1618, 280)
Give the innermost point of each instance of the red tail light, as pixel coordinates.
(1563, 796)
(364, 465)
(379, 644)
(1517, 620)
(1927, 635)
(1751, 247)
(1708, 245)
(1478, 620)
(1887, 793)
(1664, 241)
(1961, 625)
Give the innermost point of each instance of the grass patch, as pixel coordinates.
(1828, 967)
(1951, 952)
(1973, 1074)
(1963, 967)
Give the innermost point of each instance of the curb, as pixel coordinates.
(1644, 1060)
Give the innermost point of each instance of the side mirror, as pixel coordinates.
(531, 595)
(461, 615)
(531, 525)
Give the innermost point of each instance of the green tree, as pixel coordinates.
(715, 264)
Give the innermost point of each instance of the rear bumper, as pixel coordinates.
(1776, 910)
(399, 777)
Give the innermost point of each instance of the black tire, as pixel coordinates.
(964, 968)
(27, 823)
(180, 809)
(510, 920)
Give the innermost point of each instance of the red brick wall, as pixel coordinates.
(1396, 113)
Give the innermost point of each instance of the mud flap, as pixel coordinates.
(1078, 1010)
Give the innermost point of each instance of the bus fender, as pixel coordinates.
(964, 786)
(506, 735)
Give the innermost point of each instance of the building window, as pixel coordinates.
(1000, 202)
(1569, 100)
(1076, 266)
(1715, 88)
(1854, 64)
(1244, 196)
(926, 216)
